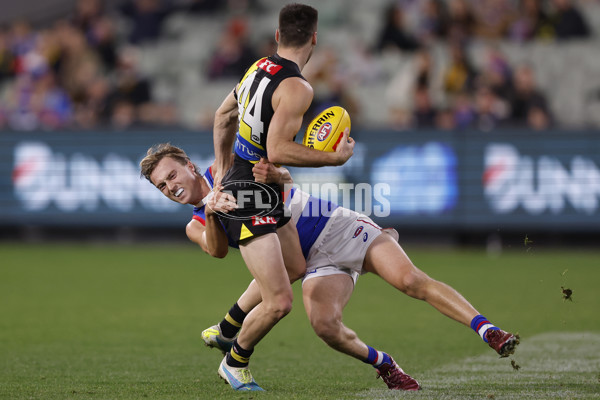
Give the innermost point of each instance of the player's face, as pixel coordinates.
(178, 182)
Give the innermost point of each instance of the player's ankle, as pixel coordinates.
(481, 326)
(238, 357)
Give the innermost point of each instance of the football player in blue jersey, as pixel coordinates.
(339, 245)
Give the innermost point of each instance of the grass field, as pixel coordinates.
(124, 322)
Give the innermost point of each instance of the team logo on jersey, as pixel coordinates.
(358, 231)
(269, 66)
(324, 131)
(263, 220)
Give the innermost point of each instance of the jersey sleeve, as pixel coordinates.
(199, 215)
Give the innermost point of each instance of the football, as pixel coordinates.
(325, 131)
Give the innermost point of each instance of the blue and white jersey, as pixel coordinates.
(310, 214)
(199, 214)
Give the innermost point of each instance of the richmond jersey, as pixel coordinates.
(309, 213)
(253, 94)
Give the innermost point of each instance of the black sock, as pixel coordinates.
(232, 322)
(238, 357)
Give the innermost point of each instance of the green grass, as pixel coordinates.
(123, 322)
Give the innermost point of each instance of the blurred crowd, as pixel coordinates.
(78, 72)
(460, 95)
(83, 71)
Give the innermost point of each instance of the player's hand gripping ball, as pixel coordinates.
(326, 130)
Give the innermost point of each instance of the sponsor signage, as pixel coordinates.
(44, 178)
(539, 183)
(422, 177)
(428, 180)
(269, 66)
(86, 179)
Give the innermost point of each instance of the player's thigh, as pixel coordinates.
(265, 262)
(294, 260)
(386, 258)
(326, 296)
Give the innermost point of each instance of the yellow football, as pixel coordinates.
(326, 130)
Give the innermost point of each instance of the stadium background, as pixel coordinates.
(439, 108)
(102, 296)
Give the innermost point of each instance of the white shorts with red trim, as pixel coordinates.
(342, 245)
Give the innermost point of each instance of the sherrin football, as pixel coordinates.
(326, 130)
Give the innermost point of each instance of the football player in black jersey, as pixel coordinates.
(259, 119)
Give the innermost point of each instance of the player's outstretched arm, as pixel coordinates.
(290, 101)
(225, 127)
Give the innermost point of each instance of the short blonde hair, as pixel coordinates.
(157, 153)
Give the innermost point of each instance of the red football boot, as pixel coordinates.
(395, 378)
(503, 342)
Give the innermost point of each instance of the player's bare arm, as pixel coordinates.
(290, 102)
(225, 128)
(212, 238)
(196, 232)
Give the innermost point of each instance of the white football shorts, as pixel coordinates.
(342, 245)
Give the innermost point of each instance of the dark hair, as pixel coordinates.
(297, 23)
(157, 153)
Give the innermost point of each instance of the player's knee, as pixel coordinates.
(414, 283)
(280, 307)
(328, 329)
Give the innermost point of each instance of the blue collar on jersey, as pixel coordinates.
(208, 177)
